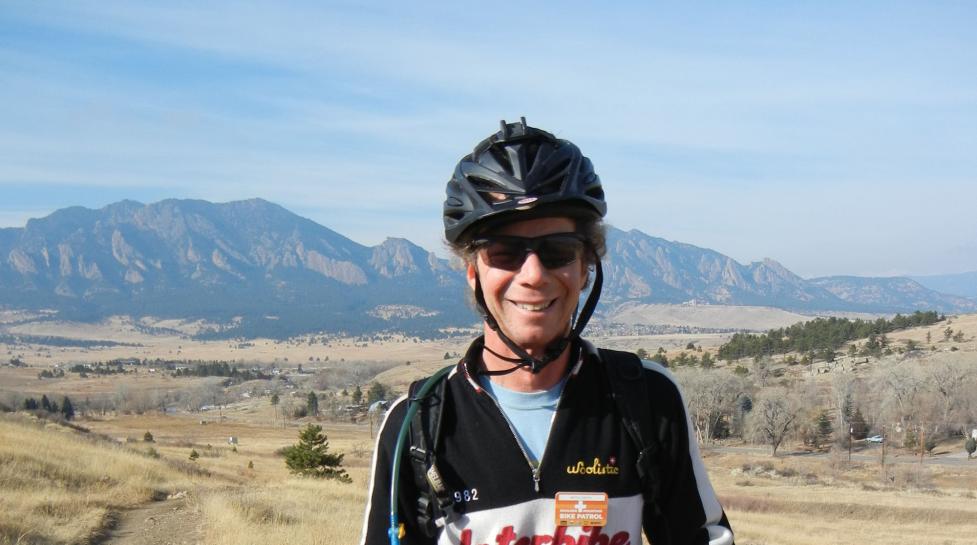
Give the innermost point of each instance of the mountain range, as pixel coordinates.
(262, 270)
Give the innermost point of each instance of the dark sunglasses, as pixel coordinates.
(510, 252)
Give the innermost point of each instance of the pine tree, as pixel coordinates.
(67, 409)
(30, 404)
(824, 430)
(910, 440)
(357, 395)
(274, 399)
(847, 410)
(310, 457)
(45, 403)
(858, 425)
(377, 392)
(312, 404)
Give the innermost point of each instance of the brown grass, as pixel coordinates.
(774, 503)
(57, 487)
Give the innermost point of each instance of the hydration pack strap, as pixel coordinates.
(626, 375)
(435, 505)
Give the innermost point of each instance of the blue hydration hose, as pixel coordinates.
(412, 406)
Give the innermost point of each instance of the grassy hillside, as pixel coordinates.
(60, 486)
(57, 486)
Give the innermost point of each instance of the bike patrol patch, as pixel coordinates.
(581, 509)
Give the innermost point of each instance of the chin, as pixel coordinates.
(536, 339)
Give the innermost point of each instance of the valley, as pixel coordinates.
(241, 492)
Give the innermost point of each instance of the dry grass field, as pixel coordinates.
(60, 486)
(812, 502)
(169, 340)
(86, 483)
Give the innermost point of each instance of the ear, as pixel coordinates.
(471, 273)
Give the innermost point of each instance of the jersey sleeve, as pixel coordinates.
(688, 512)
(377, 517)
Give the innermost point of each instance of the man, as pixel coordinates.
(532, 438)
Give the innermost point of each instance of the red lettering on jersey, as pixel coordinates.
(593, 535)
(561, 537)
(506, 537)
(599, 538)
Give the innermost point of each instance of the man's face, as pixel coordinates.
(532, 304)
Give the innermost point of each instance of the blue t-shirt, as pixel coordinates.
(530, 413)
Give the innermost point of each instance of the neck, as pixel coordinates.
(522, 380)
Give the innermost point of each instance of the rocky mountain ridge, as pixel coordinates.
(281, 273)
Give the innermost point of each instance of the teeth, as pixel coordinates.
(541, 306)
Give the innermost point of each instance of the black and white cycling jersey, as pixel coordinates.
(501, 498)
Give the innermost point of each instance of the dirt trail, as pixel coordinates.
(173, 521)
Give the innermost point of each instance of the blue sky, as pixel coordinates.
(836, 138)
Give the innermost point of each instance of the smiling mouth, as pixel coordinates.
(535, 307)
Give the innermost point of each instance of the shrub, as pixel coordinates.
(194, 455)
(970, 445)
(148, 437)
(910, 440)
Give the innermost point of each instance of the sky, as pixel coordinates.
(834, 137)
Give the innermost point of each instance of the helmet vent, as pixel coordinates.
(502, 158)
(531, 148)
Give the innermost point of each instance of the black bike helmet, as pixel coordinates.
(523, 173)
(520, 170)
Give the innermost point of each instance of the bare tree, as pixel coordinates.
(842, 398)
(898, 388)
(810, 407)
(123, 397)
(761, 370)
(772, 418)
(711, 396)
(947, 380)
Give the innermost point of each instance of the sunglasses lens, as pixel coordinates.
(505, 255)
(554, 251)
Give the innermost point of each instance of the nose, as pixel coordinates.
(532, 271)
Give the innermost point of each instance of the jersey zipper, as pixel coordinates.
(537, 468)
